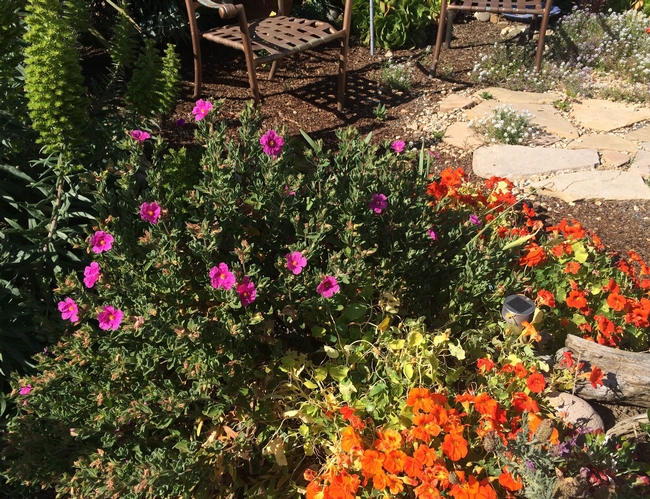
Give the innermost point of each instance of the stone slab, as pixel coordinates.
(521, 162)
(641, 164)
(575, 411)
(646, 146)
(515, 97)
(603, 142)
(544, 116)
(462, 136)
(603, 184)
(455, 101)
(641, 134)
(604, 115)
(614, 158)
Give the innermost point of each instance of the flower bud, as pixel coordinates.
(544, 431)
(491, 442)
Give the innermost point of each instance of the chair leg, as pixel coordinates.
(451, 15)
(441, 29)
(343, 63)
(274, 67)
(248, 53)
(198, 76)
(540, 43)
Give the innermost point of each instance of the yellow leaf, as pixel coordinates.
(408, 371)
(415, 339)
(441, 338)
(514, 360)
(457, 351)
(276, 447)
(198, 428)
(384, 324)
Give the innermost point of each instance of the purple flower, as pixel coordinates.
(221, 277)
(434, 154)
(25, 390)
(139, 135)
(110, 318)
(272, 143)
(201, 109)
(328, 287)
(432, 234)
(91, 274)
(150, 212)
(475, 220)
(397, 146)
(69, 310)
(247, 292)
(180, 122)
(378, 203)
(101, 241)
(296, 262)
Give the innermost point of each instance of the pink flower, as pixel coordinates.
(139, 135)
(247, 292)
(101, 241)
(328, 287)
(91, 274)
(272, 143)
(221, 277)
(150, 212)
(110, 318)
(296, 262)
(69, 310)
(397, 146)
(432, 234)
(25, 390)
(201, 109)
(475, 220)
(378, 203)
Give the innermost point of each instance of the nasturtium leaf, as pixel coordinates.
(397, 344)
(303, 430)
(538, 316)
(320, 373)
(347, 388)
(383, 325)
(595, 290)
(579, 252)
(457, 351)
(441, 338)
(408, 371)
(338, 373)
(317, 331)
(355, 311)
(513, 359)
(415, 339)
(377, 389)
(310, 384)
(332, 353)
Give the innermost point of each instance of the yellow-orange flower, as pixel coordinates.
(509, 482)
(454, 446)
(388, 440)
(350, 439)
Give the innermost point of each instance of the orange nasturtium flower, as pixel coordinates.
(388, 440)
(484, 365)
(616, 301)
(546, 298)
(576, 299)
(350, 439)
(509, 482)
(534, 256)
(596, 377)
(572, 268)
(454, 446)
(536, 383)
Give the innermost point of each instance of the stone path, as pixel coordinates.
(595, 150)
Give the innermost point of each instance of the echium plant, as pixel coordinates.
(56, 96)
(122, 47)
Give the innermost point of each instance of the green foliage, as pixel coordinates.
(505, 125)
(53, 82)
(170, 80)
(122, 47)
(398, 23)
(380, 112)
(397, 76)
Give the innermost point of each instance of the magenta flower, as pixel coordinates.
(101, 241)
(139, 135)
(397, 146)
(434, 154)
(432, 234)
(201, 109)
(69, 310)
(247, 292)
(221, 277)
(475, 220)
(91, 274)
(378, 203)
(328, 287)
(272, 143)
(296, 262)
(150, 212)
(25, 390)
(110, 318)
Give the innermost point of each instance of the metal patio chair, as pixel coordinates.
(268, 39)
(535, 8)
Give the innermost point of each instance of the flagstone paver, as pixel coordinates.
(514, 97)
(604, 184)
(646, 146)
(544, 116)
(522, 162)
(604, 115)
(614, 158)
(603, 142)
(641, 134)
(641, 164)
(462, 136)
(455, 101)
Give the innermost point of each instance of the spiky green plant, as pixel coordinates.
(56, 96)
(170, 80)
(143, 91)
(122, 48)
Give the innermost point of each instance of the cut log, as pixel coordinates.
(630, 427)
(626, 375)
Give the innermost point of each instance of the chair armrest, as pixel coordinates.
(226, 10)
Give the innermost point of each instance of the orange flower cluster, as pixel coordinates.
(425, 459)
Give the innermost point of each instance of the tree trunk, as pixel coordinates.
(626, 375)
